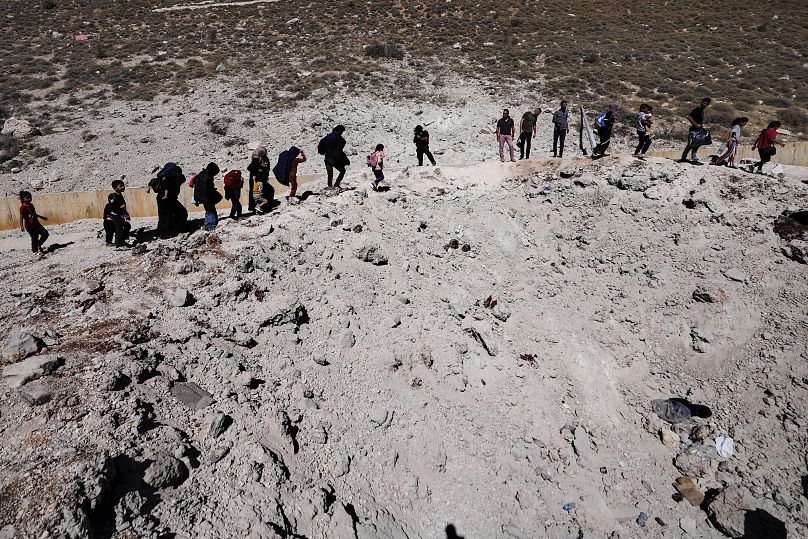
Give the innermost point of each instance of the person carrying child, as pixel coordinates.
(261, 192)
(376, 163)
(233, 183)
(645, 122)
(116, 216)
(29, 221)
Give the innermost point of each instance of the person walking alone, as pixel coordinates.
(561, 127)
(696, 121)
(527, 130)
(505, 134)
(421, 140)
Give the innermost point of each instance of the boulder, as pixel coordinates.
(19, 128)
(21, 345)
(18, 374)
(728, 510)
(372, 253)
(178, 297)
(165, 471)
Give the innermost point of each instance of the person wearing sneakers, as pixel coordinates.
(505, 134)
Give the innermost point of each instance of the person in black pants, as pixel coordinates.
(116, 216)
(696, 120)
(604, 124)
(527, 130)
(421, 140)
(171, 214)
(560, 129)
(261, 191)
(335, 158)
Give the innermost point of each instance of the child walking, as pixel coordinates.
(29, 221)
(376, 162)
(116, 216)
(233, 183)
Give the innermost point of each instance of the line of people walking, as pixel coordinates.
(173, 216)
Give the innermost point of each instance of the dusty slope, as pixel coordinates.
(389, 400)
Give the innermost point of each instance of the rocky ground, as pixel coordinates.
(472, 353)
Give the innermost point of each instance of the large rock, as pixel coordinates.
(18, 374)
(728, 510)
(21, 345)
(178, 297)
(165, 471)
(372, 253)
(19, 128)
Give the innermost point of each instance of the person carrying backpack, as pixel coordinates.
(376, 163)
(421, 140)
(765, 146)
(261, 191)
(604, 122)
(171, 214)
(205, 193)
(233, 183)
(332, 148)
(116, 216)
(696, 136)
(286, 169)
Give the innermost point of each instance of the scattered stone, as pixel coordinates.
(18, 128)
(18, 374)
(217, 424)
(688, 489)
(286, 311)
(191, 395)
(165, 471)
(703, 296)
(321, 360)
(178, 297)
(219, 452)
(734, 274)
(36, 394)
(21, 345)
(381, 418)
(797, 251)
(728, 510)
(583, 448)
(372, 253)
(688, 525)
(669, 438)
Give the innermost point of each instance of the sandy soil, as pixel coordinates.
(472, 353)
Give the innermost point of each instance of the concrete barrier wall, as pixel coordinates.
(62, 208)
(794, 153)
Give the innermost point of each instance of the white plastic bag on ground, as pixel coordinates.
(724, 446)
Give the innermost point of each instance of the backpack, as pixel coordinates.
(158, 183)
(373, 159)
(321, 146)
(233, 181)
(600, 119)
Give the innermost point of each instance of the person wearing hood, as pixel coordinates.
(205, 193)
(261, 191)
(604, 123)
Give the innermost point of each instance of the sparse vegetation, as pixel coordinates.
(381, 50)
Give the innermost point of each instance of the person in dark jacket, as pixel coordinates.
(604, 124)
(421, 140)
(561, 127)
(116, 216)
(171, 214)
(261, 191)
(205, 193)
(335, 157)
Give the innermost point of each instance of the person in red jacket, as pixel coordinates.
(29, 221)
(765, 145)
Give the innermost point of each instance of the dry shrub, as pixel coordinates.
(383, 50)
